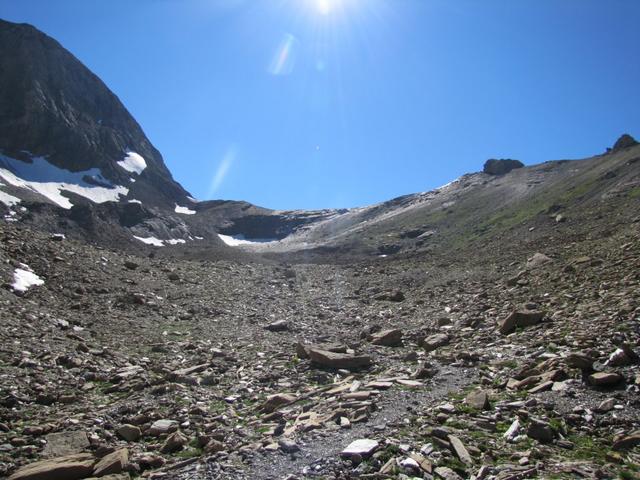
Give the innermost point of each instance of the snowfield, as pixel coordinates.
(50, 181)
(236, 240)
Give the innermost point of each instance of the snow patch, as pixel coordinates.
(133, 200)
(8, 200)
(24, 278)
(184, 210)
(50, 181)
(156, 242)
(235, 240)
(133, 163)
(191, 199)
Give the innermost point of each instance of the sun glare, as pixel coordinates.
(326, 7)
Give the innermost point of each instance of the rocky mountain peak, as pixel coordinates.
(625, 141)
(52, 107)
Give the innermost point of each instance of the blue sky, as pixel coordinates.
(341, 103)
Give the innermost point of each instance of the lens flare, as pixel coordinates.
(284, 59)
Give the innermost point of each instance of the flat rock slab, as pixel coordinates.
(363, 447)
(460, 450)
(70, 467)
(65, 443)
(338, 360)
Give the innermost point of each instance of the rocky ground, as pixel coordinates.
(508, 363)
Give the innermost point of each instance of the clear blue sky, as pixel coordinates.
(341, 103)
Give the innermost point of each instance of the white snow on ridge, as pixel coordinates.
(184, 210)
(24, 278)
(8, 200)
(133, 163)
(236, 240)
(156, 242)
(44, 178)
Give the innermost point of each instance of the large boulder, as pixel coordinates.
(502, 166)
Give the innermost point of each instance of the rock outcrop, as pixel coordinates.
(501, 167)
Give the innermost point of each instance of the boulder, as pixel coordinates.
(174, 443)
(112, 463)
(338, 360)
(605, 379)
(277, 326)
(520, 319)
(161, 427)
(276, 401)
(479, 400)
(387, 338)
(70, 467)
(538, 259)
(435, 341)
(540, 431)
(501, 167)
(130, 433)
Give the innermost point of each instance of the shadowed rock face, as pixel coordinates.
(52, 105)
(500, 167)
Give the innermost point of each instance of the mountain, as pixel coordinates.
(60, 123)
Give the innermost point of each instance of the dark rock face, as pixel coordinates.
(625, 141)
(52, 105)
(500, 167)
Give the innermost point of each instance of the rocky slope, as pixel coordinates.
(172, 368)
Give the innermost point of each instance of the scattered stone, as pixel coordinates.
(338, 360)
(65, 443)
(520, 319)
(626, 442)
(288, 446)
(460, 450)
(273, 402)
(435, 341)
(605, 379)
(446, 473)
(278, 326)
(112, 463)
(160, 427)
(174, 443)
(478, 399)
(537, 260)
(362, 447)
(387, 338)
(130, 433)
(540, 431)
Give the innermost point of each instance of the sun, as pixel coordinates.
(325, 7)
